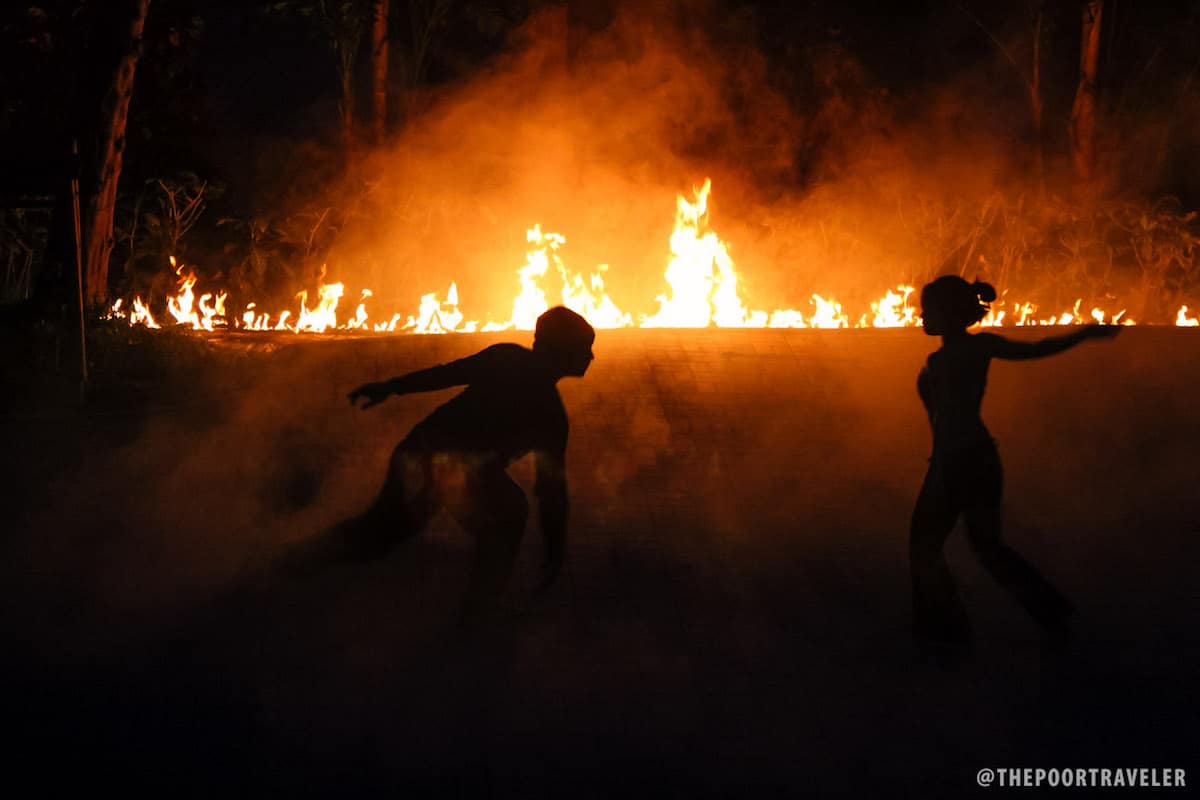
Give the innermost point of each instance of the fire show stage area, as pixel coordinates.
(735, 612)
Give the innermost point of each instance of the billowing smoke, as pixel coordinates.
(838, 189)
(596, 141)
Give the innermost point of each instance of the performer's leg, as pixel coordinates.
(937, 611)
(493, 510)
(1014, 574)
(400, 511)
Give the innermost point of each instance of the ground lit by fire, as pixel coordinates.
(702, 291)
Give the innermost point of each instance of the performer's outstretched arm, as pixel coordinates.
(456, 373)
(1020, 351)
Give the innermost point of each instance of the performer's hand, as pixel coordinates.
(1102, 331)
(374, 393)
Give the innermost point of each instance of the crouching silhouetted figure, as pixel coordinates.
(965, 477)
(456, 459)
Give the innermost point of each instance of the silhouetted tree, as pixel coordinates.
(1083, 111)
(379, 71)
(110, 151)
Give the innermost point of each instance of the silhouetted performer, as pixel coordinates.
(964, 477)
(456, 458)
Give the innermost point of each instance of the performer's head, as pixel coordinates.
(566, 339)
(951, 305)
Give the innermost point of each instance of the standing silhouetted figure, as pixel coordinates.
(964, 477)
(456, 459)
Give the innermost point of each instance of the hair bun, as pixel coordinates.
(985, 291)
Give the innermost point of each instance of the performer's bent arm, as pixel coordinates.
(551, 491)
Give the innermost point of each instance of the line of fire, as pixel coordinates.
(700, 274)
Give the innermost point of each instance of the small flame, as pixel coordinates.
(323, 316)
(893, 311)
(359, 322)
(141, 315)
(436, 316)
(828, 314)
(387, 327)
(181, 305)
(212, 314)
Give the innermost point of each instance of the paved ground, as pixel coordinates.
(735, 614)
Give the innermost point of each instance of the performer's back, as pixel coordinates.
(510, 408)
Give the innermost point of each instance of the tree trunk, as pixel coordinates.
(1035, 105)
(110, 151)
(1083, 112)
(347, 109)
(379, 71)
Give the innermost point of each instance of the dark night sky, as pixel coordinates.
(266, 73)
(271, 75)
(249, 76)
